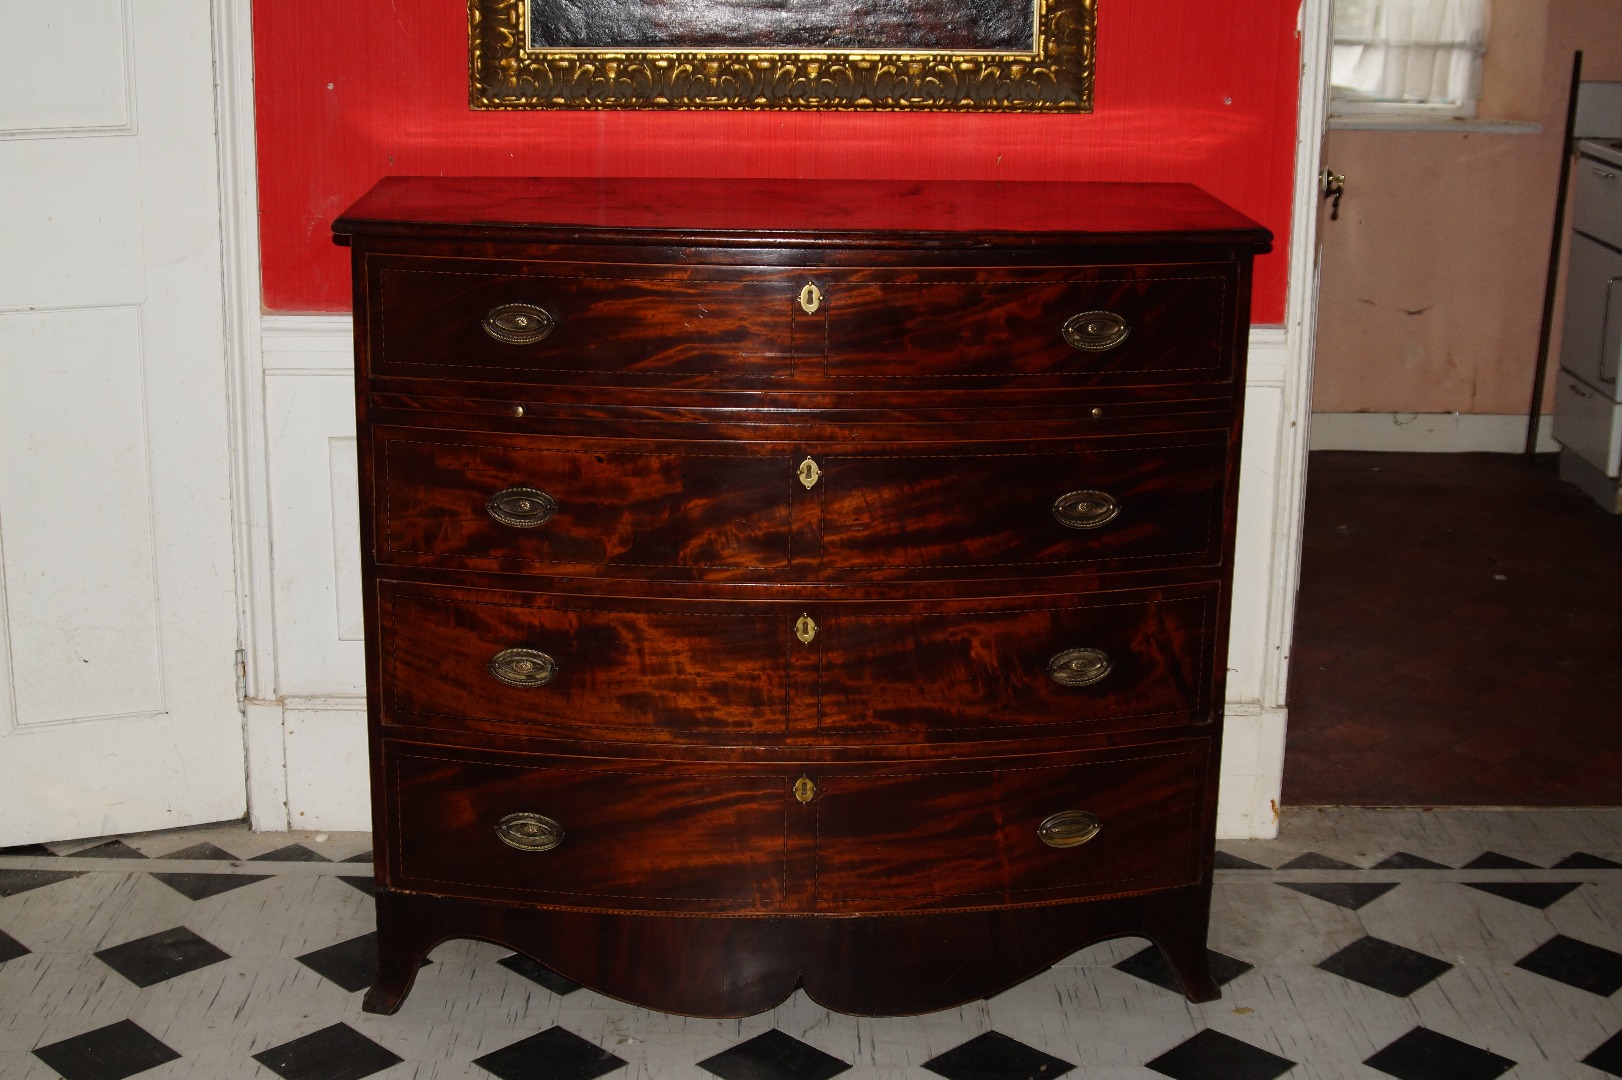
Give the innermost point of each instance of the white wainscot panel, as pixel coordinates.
(64, 68)
(1253, 546)
(315, 537)
(80, 601)
(327, 785)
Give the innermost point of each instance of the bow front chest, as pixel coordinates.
(776, 584)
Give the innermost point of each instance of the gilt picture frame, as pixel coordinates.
(995, 56)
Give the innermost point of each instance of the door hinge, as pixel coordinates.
(242, 676)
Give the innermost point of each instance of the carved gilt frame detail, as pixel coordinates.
(1057, 78)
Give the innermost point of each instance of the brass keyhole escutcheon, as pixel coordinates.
(804, 789)
(809, 473)
(810, 298)
(805, 629)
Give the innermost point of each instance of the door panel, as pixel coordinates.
(118, 709)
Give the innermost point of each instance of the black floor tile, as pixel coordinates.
(995, 1056)
(1491, 860)
(367, 884)
(13, 882)
(1211, 1055)
(202, 886)
(1150, 966)
(1402, 860)
(26, 851)
(109, 1053)
(204, 852)
(554, 1054)
(1311, 860)
(351, 964)
(162, 956)
(1423, 1054)
(1351, 895)
(1537, 894)
(1392, 969)
(539, 973)
(1607, 1057)
(1228, 861)
(1582, 860)
(11, 948)
(112, 849)
(1576, 963)
(338, 1052)
(290, 853)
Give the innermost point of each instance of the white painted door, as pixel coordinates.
(118, 628)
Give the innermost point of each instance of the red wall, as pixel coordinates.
(351, 92)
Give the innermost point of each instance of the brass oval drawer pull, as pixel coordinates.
(1068, 828)
(1080, 667)
(1085, 509)
(521, 507)
(523, 667)
(519, 324)
(529, 832)
(1095, 331)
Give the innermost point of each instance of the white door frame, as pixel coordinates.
(1254, 753)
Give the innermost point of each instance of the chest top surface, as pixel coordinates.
(800, 212)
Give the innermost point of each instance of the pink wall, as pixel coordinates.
(349, 93)
(1432, 284)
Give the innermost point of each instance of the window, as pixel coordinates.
(1410, 56)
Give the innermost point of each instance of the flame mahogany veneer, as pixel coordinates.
(796, 650)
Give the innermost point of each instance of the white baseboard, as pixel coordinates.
(1428, 433)
(1252, 772)
(328, 778)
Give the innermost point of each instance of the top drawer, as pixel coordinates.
(813, 328)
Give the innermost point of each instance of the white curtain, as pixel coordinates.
(1417, 51)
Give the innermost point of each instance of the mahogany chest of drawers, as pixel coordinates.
(775, 584)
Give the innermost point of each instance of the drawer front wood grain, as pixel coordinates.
(624, 670)
(983, 329)
(666, 508)
(964, 670)
(642, 323)
(901, 839)
(977, 509)
(631, 837)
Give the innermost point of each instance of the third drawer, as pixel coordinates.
(672, 670)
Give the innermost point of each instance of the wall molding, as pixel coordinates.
(1429, 433)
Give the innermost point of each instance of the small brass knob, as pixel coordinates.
(1068, 829)
(522, 668)
(1095, 331)
(1080, 667)
(518, 324)
(521, 507)
(1085, 509)
(529, 832)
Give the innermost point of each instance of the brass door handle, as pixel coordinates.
(521, 507)
(519, 323)
(522, 668)
(1334, 186)
(1080, 667)
(529, 832)
(1085, 509)
(1068, 829)
(1094, 331)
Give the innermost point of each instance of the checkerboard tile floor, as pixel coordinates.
(1460, 945)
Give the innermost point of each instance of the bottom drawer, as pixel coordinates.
(1588, 423)
(608, 835)
(1010, 831)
